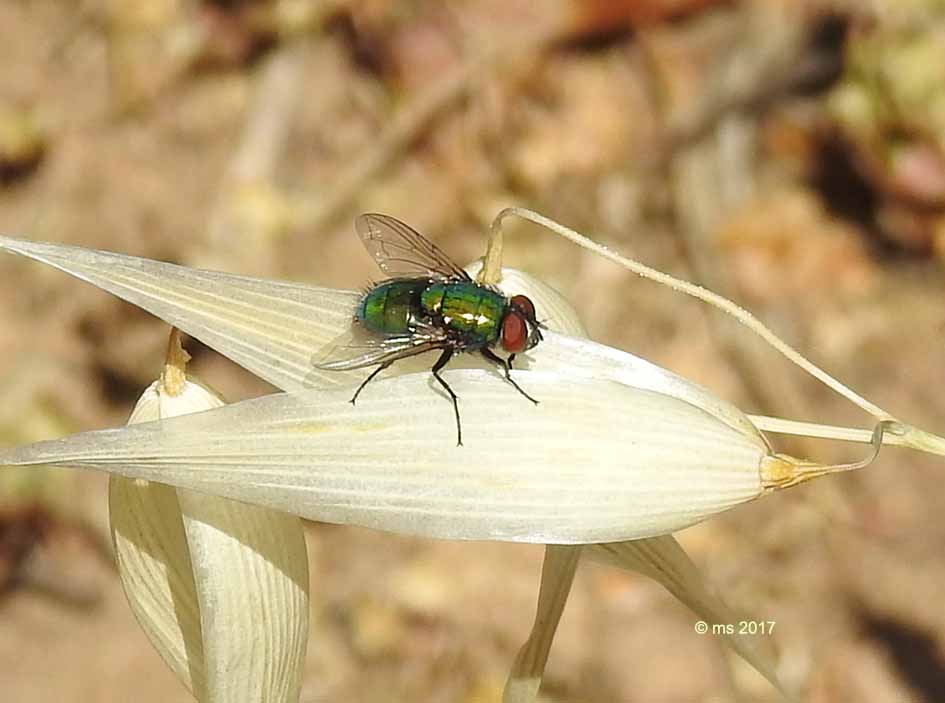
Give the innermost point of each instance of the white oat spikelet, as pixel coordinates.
(220, 587)
(618, 450)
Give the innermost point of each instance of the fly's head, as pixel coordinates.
(520, 328)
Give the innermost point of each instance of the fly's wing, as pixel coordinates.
(359, 348)
(401, 251)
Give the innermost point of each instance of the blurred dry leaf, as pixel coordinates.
(784, 245)
(891, 109)
(594, 18)
(23, 142)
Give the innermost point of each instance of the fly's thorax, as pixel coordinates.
(392, 307)
(467, 308)
(431, 299)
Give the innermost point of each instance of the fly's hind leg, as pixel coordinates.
(370, 378)
(507, 367)
(440, 363)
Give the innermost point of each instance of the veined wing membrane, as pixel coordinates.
(359, 348)
(401, 251)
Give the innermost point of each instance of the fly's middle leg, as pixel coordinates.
(440, 363)
(369, 378)
(507, 367)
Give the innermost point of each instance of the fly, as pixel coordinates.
(428, 303)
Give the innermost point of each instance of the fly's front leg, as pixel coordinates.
(440, 363)
(507, 367)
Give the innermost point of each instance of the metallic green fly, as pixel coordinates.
(429, 303)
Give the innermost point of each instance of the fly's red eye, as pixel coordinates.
(514, 333)
(525, 305)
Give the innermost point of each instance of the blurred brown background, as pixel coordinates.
(790, 155)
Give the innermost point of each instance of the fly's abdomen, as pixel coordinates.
(467, 308)
(392, 307)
